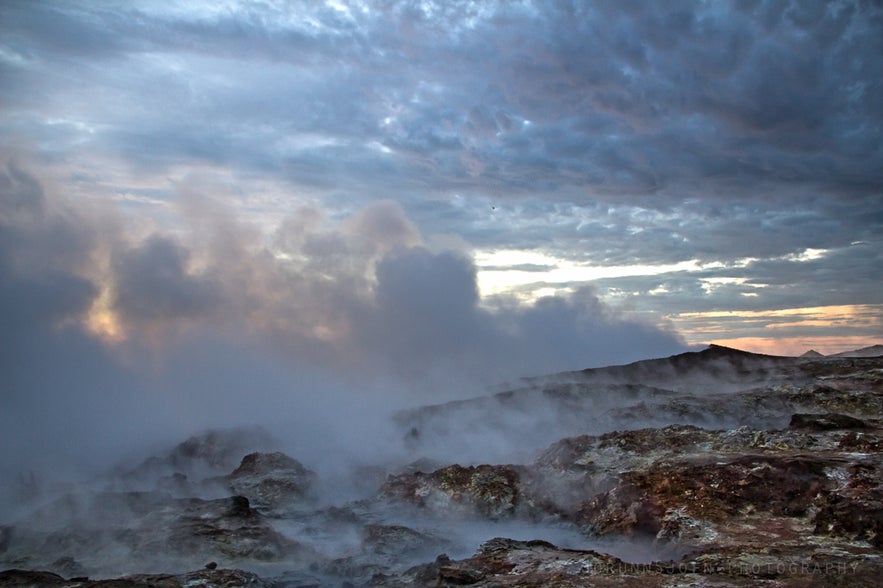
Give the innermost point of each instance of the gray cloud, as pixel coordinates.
(368, 273)
(41, 249)
(623, 101)
(114, 335)
(606, 133)
(296, 166)
(152, 282)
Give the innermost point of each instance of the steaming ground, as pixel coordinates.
(361, 349)
(336, 488)
(119, 334)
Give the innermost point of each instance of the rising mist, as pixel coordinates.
(120, 337)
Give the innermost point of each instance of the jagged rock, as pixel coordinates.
(718, 388)
(856, 517)
(625, 510)
(492, 491)
(208, 454)
(854, 509)
(826, 422)
(460, 575)
(712, 492)
(231, 529)
(506, 562)
(865, 442)
(272, 481)
(223, 577)
(569, 472)
(678, 527)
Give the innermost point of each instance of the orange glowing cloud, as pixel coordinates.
(788, 331)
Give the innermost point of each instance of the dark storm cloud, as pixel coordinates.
(152, 282)
(41, 247)
(568, 100)
(302, 170)
(606, 133)
(360, 293)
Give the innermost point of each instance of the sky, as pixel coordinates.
(437, 194)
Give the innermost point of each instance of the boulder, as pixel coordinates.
(272, 482)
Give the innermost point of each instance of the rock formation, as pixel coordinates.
(710, 468)
(272, 481)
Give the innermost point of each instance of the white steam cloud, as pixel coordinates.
(116, 334)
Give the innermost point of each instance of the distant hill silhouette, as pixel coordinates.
(871, 351)
(714, 361)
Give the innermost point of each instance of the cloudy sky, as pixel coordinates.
(420, 189)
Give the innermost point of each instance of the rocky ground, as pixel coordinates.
(715, 468)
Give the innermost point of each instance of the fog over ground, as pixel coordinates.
(307, 215)
(118, 336)
(691, 161)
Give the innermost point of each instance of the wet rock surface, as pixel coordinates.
(716, 468)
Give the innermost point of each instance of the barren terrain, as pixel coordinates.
(711, 468)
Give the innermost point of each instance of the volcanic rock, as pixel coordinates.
(100, 533)
(714, 468)
(491, 491)
(855, 517)
(272, 481)
(201, 456)
(826, 422)
(506, 562)
(712, 492)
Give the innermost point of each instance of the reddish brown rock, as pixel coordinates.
(492, 491)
